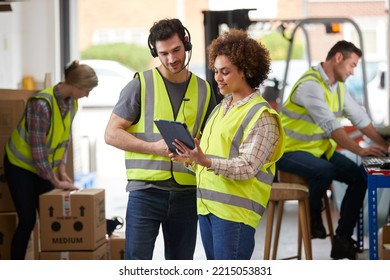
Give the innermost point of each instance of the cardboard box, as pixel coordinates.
(6, 202)
(8, 222)
(3, 141)
(33, 247)
(11, 112)
(99, 254)
(116, 246)
(384, 242)
(12, 94)
(72, 220)
(12, 104)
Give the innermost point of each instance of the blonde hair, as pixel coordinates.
(80, 75)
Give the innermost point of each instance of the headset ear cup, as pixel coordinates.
(187, 46)
(153, 52)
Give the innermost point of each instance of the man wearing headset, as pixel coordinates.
(161, 192)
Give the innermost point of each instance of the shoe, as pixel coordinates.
(318, 230)
(316, 226)
(355, 244)
(343, 248)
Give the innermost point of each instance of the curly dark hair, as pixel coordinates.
(247, 54)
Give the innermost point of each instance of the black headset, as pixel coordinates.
(187, 44)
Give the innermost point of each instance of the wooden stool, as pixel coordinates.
(281, 192)
(286, 177)
(293, 187)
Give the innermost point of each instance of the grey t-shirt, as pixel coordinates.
(128, 107)
(129, 103)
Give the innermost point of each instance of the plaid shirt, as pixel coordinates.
(38, 119)
(255, 150)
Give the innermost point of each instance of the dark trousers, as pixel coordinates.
(320, 172)
(25, 188)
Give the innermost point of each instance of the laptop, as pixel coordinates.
(375, 161)
(377, 165)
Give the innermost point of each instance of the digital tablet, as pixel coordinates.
(171, 130)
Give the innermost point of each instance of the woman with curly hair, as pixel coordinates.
(235, 159)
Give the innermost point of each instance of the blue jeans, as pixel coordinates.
(320, 172)
(148, 209)
(226, 240)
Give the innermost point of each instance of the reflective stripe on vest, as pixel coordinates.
(235, 200)
(18, 149)
(148, 167)
(231, 200)
(301, 130)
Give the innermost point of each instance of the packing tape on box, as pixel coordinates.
(66, 204)
(64, 255)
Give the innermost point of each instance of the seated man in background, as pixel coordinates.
(311, 119)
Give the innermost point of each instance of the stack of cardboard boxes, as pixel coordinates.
(8, 222)
(8, 218)
(12, 103)
(73, 225)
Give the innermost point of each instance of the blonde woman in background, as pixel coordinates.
(35, 155)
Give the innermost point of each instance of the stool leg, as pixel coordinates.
(308, 219)
(308, 215)
(277, 229)
(268, 232)
(299, 255)
(304, 224)
(329, 218)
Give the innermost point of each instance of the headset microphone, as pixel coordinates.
(188, 61)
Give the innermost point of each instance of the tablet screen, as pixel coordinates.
(171, 130)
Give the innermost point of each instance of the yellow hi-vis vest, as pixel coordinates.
(155, 104)
(302, 133)
(18, 148)
(241, 201)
